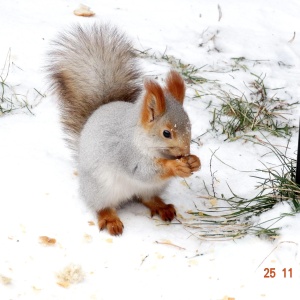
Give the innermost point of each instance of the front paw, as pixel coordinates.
(185, 166)
(194, 162)
(181, 167)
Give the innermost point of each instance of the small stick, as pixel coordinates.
(170, 244)
(212, 173)
(186, 183)
(144, 259)
(293, 38)
(220, 12)
(205, 197)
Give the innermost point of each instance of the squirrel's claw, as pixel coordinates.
(108, 218)
(194, 163)
(166, 212)
(185, 166)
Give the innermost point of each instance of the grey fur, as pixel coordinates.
(95, 74)
(88, 67)
(117, 157)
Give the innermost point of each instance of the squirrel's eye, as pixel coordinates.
(167, 134)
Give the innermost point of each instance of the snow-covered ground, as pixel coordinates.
(39, 185)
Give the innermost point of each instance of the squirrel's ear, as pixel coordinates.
(154, 102)
(175, 86)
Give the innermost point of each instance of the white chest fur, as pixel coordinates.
(115, 187)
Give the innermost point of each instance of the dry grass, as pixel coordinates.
(10, 99)
(235, 219)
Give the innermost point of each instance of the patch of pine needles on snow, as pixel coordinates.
(237, 218)
(238, 115)
(189, 72)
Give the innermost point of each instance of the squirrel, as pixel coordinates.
(130, 136)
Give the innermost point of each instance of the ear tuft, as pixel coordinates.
(175, 86)
(154, 102)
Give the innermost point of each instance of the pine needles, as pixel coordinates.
(189, 72)
(247, 114)
(237, 217)
(239, 113)
(264, 111)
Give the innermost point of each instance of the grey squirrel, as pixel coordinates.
(130, 138)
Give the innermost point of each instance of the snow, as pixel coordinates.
(151, 260)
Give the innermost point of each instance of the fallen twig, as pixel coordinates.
(220, 13)
(169, 244)
(293, 38)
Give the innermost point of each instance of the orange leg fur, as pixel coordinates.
(108, 218)
(156, 205)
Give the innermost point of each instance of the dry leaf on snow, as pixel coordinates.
(91, 223)
(5, 280)
(47, 241)
(83, 11)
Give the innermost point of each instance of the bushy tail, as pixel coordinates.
(88, 67)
